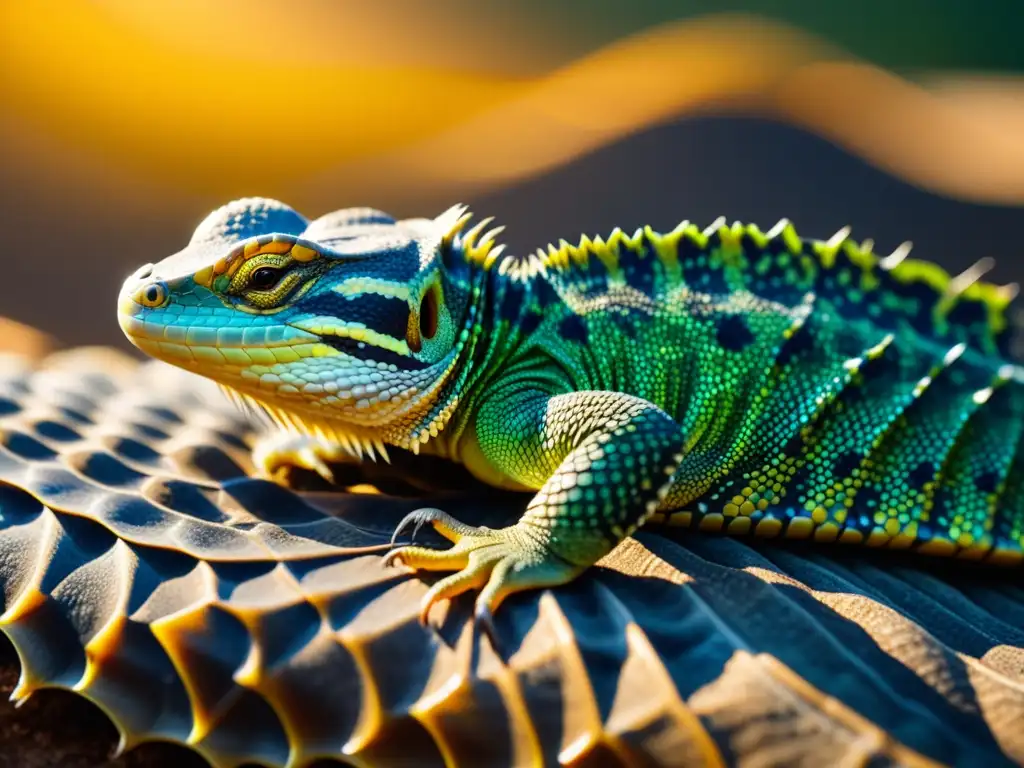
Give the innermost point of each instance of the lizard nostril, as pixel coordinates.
(144, 272)
(152, 295)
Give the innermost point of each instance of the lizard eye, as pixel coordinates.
(428, 314)
(423, 324)
(264, 278)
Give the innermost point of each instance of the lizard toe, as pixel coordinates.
(497, 562)
(274, 455)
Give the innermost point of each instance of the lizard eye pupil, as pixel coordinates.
(428, 314)
(264, 278)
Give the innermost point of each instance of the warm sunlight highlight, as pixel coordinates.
(219, 100)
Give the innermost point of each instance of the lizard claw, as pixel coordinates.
(417, 517)
(498, 562)
(483, 618)
(310, 460)
(274, 454)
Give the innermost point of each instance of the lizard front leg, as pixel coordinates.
(601, 462)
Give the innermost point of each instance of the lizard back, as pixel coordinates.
(825, 392)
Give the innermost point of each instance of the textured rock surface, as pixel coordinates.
(141, 567)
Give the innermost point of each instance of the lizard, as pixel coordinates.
(725, 379)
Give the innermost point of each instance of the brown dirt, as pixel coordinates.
(58, 728)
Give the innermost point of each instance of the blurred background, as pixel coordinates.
(122, 122)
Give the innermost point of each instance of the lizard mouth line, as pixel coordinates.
(199, 336)
(279, 343)
(243, 366)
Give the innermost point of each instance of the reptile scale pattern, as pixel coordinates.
(141, 567)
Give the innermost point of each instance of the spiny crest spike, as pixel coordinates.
(785, 231)
(754, 233)
(368, 449)
(493, 254)
(351, 445)
(540, 266)
(247, 405)
(284, 419)
(683, 226)
(1010, 291)
(838, 238)
(470, 237)
(371, 448)
(714, 226)
(954, 353)
(451, 222)
(971, 275)
(894, 259)
(1007, 372)
(489, 235)
(777, 230)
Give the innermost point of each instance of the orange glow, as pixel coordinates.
(352, 102)
(198, 117)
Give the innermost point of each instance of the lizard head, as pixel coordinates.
(349, 326)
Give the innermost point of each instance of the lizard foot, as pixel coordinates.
(498, 562)
(275, 454)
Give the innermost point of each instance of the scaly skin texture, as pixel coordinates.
(727, 379)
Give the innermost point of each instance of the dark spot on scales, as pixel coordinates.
(384, 314)
(572, 328)
(637, 268)
(545, 294)
(352, 348)
(796, 345)
(530, 322)
(987, 482)
(794, 445)
(734, 333)
(967, 312)
(868, 499)
(710, 279)
(846, 463)
(922, 473)
(511, 303)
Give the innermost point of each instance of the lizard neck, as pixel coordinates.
(476, 289)
(503, 320)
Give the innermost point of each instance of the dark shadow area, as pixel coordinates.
(59, 728)
(927, 701)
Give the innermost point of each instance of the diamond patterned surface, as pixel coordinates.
(141, 567)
